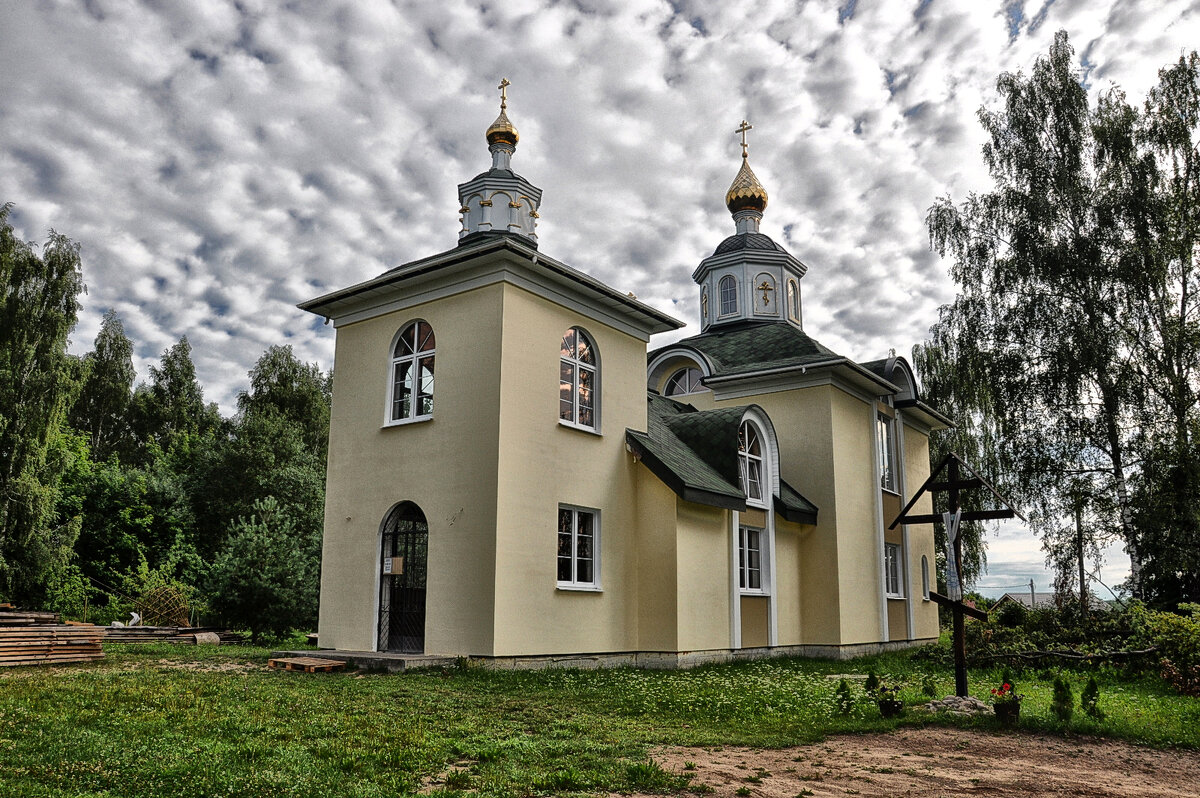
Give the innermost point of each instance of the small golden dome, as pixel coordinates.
(502, 130)
(746, 193)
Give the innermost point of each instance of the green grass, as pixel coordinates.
(133, 725)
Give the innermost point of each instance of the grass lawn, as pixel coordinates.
(139, 724)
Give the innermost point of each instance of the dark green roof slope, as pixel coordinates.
(752, 346)
(694, 453)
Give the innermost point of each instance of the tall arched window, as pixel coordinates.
(412, 374)
(924, 577)
(685, 381)
(793, 300)
(727, 289)
(750, 463)
(578, 393)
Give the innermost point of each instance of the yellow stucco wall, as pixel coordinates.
(920, 536)
(657, 564)
(543, 464)
(704, 576)
(789, 539)
(435, 464)
(860, 578)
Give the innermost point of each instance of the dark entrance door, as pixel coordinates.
(402, 595)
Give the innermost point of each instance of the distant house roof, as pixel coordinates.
(1043, 601)
(694, 453)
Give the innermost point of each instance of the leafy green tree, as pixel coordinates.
(265, 577)
(101, 410)
(1037, 260)
(170, 411)
(38, 309)
(1151, 161)
(280, 383)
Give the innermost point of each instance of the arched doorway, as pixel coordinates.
(403, 554)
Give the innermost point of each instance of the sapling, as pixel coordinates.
(872, 683)
(844, 699)
(1063, 703)
(1089, 699)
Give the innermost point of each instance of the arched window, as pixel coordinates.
(925, 577)
(793, 300)
(577, 386)
(412, 374)
(727, 289)
(685, 381)
(750, 463)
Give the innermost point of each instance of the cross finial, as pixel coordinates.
(503, 87)
(742, 128)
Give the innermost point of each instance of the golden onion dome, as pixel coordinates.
(746, 193)
(502, 130)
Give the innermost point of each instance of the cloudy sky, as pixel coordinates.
(219, 162)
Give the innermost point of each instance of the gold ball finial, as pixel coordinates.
(502, 130)
(745, 193)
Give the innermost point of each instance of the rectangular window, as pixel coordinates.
(750, 560)
(578, 548)
(887, 452)
(891, 568)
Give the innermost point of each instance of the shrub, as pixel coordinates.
(1011, 615)
(1089, 699)
(1063, 703)
(872, 683)
(844, 699)
(1177, 639)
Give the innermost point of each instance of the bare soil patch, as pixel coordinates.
(941, 762)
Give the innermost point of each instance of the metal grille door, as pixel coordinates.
(402, 592)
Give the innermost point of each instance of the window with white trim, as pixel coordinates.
(685, 381)
(578, 548)
(750, 463)
(924, 577)
(727, 289)
(577, 380)
(886, 433)
(891, 570)
(793, 300)
(750, 559)
(410, 395)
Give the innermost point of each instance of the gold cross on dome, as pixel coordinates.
(503, 87)
(742, 128)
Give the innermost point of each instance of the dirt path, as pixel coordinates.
(942, 762)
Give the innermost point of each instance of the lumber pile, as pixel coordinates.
(170, 634)
(11, 616)
(306, 664)
(49, 644)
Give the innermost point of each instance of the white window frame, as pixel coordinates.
(414, 361)
(578, 367)
(892, 572)
(731, 294)
(688, 378)
(750, 464)
(793, 300)
(575, 513)
(747, 570)
(888, 465)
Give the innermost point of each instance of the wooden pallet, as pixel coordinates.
(306, 664)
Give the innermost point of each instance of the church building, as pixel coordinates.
(562, 493)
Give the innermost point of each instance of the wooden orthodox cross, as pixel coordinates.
(952, 485)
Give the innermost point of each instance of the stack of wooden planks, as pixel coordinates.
(169, 634)
(49, 644)
(14, 617)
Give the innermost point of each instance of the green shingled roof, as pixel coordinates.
(695, 454)
(752, 346)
